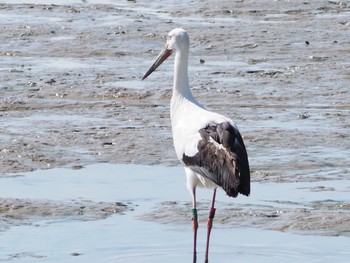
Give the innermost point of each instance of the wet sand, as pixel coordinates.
(71, 96)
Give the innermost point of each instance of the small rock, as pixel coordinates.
(304, 115)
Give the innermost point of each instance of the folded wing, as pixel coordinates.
(222, 158)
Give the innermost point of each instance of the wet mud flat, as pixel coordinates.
(71, 96)
(71, 93)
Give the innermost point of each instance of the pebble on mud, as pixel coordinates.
(303, 116)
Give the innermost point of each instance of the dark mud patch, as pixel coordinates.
(327, 217)
(15, 212)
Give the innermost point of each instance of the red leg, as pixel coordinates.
(210, 225)
(194, 224)
(195, 227)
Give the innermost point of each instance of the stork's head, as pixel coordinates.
(177, 40)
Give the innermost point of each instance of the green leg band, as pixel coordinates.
(194, 213)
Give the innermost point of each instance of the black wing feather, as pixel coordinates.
(227, 165)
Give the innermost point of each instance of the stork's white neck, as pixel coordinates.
(182, 95)
(181, 89)
(181, 86)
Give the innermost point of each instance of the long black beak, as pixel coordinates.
(163, 55)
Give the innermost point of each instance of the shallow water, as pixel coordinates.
(136, 234)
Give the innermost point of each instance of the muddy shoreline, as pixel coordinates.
(71, 95)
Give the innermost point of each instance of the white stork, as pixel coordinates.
(208, 144)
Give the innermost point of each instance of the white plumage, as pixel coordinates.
(208, 144)
(186, 135)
